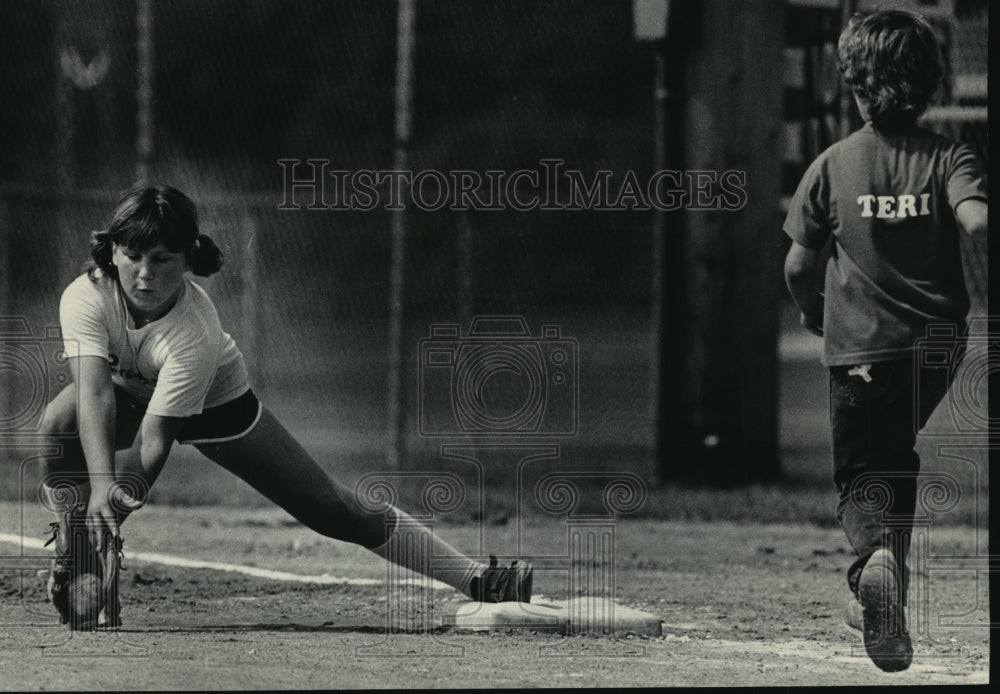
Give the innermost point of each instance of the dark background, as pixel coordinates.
(238, 85)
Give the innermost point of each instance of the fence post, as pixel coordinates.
(733, 107)
(466, 269)
(6, 263)
(144, 89)
(6, 289)
(404, 72)
(251, 306)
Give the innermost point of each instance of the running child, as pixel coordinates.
(894, 197)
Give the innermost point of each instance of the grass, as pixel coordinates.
(341, 428)
(190, 480)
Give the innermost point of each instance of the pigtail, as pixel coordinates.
(205, 258)
(146, 216)
(101, 249)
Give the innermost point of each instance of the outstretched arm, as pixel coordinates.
(801, 268)
(96, 421)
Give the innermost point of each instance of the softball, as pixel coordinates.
(85, 601)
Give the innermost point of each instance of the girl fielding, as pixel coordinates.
(151, 365)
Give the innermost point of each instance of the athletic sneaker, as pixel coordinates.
(503, 584)
(74, 554)
(110, 615)
(68, 532)
(854, 614)
(886, 638)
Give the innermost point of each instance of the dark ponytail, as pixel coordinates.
(101, 248)
(148, 215)
(205, 258)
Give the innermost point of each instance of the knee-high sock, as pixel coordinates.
(413, 545)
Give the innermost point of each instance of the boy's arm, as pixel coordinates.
(801, 267)
(971, 214)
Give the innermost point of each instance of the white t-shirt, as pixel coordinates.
(177, 365)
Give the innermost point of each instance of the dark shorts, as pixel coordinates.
(226, 422)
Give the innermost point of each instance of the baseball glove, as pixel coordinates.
(83, 583)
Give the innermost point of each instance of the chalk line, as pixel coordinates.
(257, 572)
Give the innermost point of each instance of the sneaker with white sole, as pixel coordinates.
(72, 552)
(74, 555)
(854, 615)
(884, 621)
(110, 615)
(503, 583)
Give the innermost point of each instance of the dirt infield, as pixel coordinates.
(740, 604)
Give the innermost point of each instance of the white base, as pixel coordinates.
(593, 616)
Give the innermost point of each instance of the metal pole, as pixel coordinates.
(660, 94)
(144, 89)
(847, 9)
(404, 73)
(251, 306)
(66, 133)
(6, 260)
(7, 394)
(466, 269)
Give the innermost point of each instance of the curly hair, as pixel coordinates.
(148, 215)
(892, 61)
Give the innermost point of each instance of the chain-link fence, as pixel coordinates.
(238, 86)
(962, 112)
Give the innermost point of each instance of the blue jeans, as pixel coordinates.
(876, 411)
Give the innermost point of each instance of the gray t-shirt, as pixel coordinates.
(895, 265)
(177, 365)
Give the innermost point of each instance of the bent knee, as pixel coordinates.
(59, 419)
